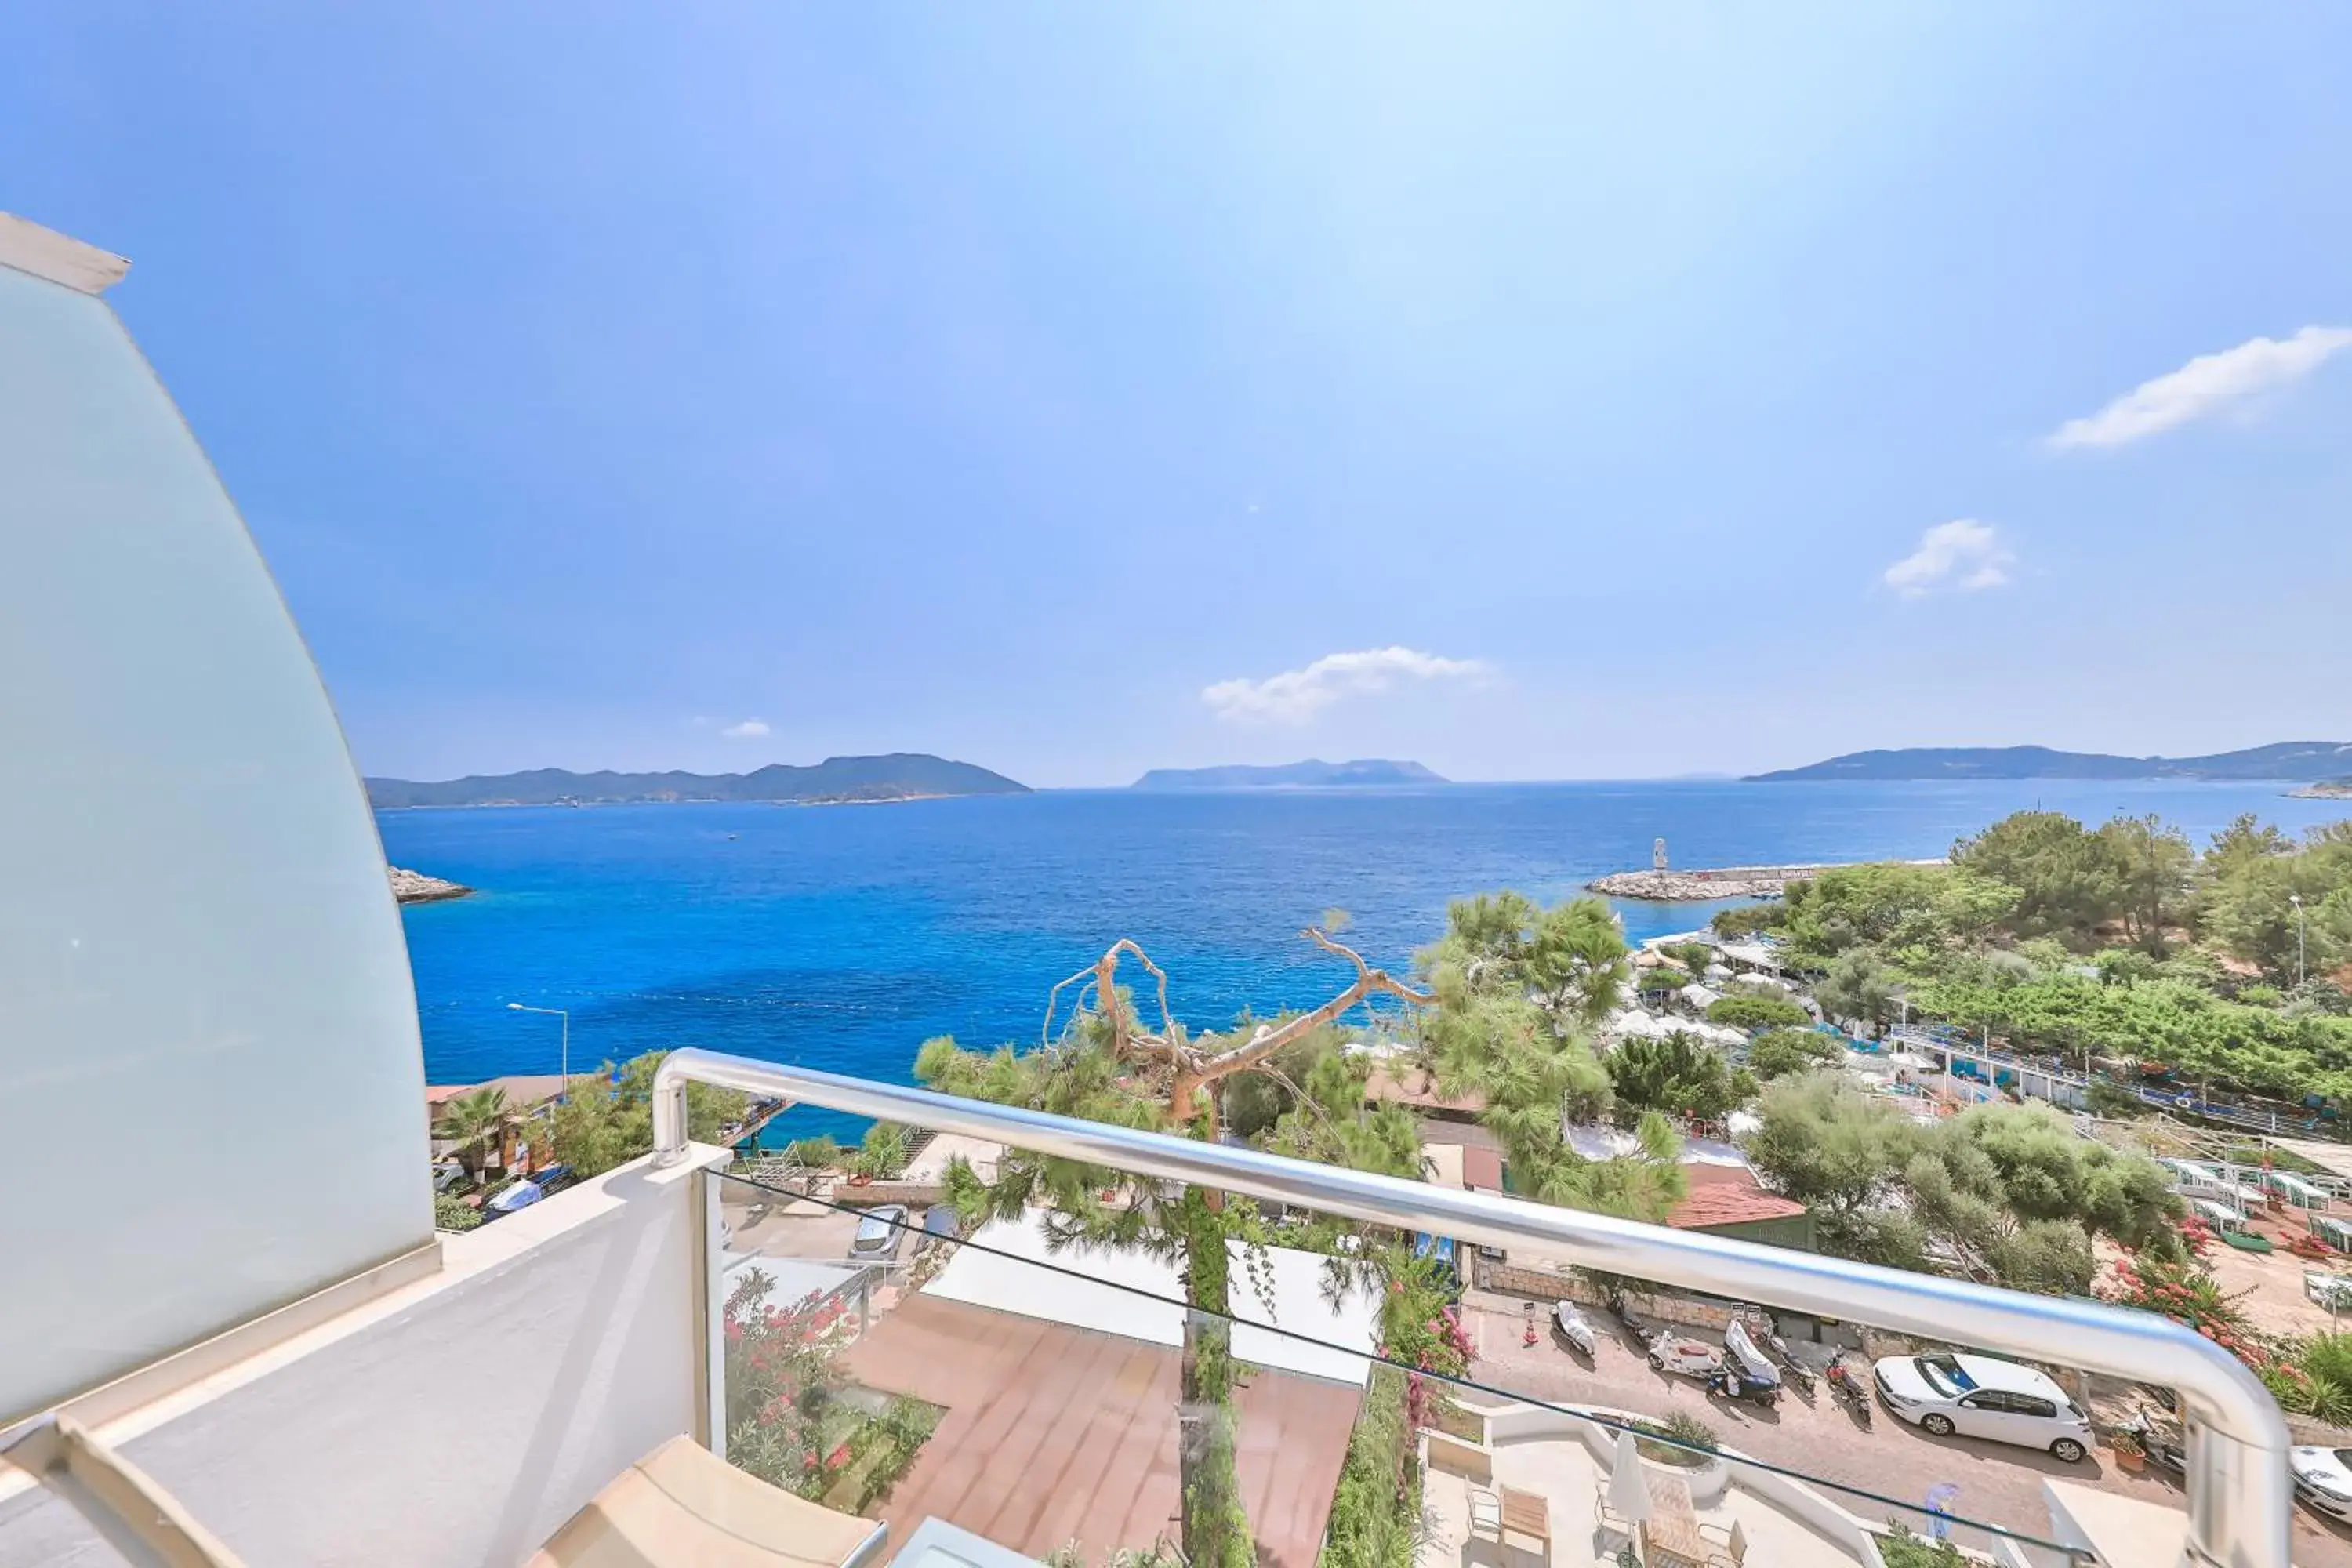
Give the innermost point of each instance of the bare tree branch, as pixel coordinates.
(1052, 998)
(1194, 1070)
(1270, 1038)
(1102, 973)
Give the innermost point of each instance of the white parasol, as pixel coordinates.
(1629, 1498)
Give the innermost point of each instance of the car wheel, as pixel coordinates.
(2067, 1450)
(1941, 1426)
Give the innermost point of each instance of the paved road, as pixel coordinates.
(1999, 1484)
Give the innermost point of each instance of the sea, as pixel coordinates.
(843, 937)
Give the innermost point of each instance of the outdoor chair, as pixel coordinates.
(682, 1505)
(1485, 1515)
(1733, 1542)
(1609, 1520)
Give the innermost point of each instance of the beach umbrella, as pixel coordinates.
(1628, 1498)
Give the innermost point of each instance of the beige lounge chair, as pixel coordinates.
(1732, 1545)
(1485, 1515)
(682, 1505)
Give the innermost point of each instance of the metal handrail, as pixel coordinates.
(2241, 1504)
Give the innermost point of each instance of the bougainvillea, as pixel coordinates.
(2186, 1293)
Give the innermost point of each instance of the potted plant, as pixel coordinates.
(2131, 1456)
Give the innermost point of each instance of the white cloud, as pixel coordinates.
(2207, 385)
(1962, 555)
(749, 730)
(1295, 696)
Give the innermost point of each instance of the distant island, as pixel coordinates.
(2326, 789)
(1312, 773)
(2292, 761)
(901, 776)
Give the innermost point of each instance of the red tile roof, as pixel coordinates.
(1482, 1170)
(1715, 1204)
(1415, 1086)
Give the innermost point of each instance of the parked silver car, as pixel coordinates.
(879, 1232)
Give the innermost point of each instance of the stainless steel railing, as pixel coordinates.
(2241, 1504)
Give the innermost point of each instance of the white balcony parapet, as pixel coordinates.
(2240, 1501)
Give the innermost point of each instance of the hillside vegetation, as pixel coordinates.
(2288, 760)
(900, 775)
(2123, 942)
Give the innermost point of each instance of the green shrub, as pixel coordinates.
(1687, 1433)
(1694, 956)
(1898, 1548)
(1376, 1511)
(1747, 919)
(883, 1153)
(1759, 1013)
(1784, 1051)
(454, 1213)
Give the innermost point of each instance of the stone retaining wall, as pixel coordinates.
(916, 1196)
(1543, 1285)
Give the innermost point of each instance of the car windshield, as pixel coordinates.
(1944, 1376)
(873, 1227)
(2344, 1457)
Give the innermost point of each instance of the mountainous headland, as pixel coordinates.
(901, 776)
(1313, 773)
(2292, 761)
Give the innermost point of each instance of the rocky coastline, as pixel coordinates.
(2333, 789)
(416, 888)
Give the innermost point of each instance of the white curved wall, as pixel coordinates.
(211, 1091)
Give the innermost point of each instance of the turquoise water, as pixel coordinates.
(842, 937)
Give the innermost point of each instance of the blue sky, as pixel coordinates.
(1539, 391)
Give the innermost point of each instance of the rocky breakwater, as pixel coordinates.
(1717, 882)
(416, 888)
(1695, 887)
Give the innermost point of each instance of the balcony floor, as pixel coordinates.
(1055, 1433)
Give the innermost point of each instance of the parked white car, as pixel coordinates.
(1979, 1396)
(2323, 1478)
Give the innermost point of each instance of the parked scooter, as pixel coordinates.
(2160, 1439)
(1849, 1390)
(1573, 1328)
(1759, 1325)
(1671, 1352)
(1755, 1366)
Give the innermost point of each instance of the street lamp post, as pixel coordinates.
(2296, 900)
(563, 1094)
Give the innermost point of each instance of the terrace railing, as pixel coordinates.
(2239, 1504)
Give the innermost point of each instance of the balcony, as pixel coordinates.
(247, 1344)
(923, 1390)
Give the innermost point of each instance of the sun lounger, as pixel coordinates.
(682, 1505)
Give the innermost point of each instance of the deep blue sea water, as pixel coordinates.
(843, 936)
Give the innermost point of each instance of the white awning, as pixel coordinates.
(1126, 1292)
(2335, 1159)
